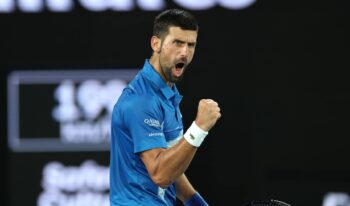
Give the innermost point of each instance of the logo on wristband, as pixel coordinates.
(192, 137)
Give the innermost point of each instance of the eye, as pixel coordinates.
(191, 45)
(178, 43)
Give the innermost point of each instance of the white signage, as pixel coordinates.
(36, 6)
(85, 185)
(80, 110)
(336, 199)
(74, 113)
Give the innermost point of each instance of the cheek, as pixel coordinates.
(191, 53)
(171, 53)
(166, 50)
(167, 47)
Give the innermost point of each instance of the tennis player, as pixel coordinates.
(149, 150)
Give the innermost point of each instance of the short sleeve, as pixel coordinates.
(143, 118)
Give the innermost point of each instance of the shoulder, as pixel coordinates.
(142, 103)
(138, 108)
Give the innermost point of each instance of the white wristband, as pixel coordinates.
(195, 135)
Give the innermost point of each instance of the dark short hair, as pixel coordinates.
(173, 17)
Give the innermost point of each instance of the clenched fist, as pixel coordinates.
(208, 113)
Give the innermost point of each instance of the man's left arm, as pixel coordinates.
(187, 194)
(184, 189)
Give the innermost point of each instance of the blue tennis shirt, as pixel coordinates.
(146, 116)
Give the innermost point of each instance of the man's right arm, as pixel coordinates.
(166, 165)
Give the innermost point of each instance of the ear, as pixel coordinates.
(156, 44)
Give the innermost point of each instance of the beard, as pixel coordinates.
(168, 70)
(168, 73)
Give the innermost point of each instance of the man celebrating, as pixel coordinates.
(149, 152)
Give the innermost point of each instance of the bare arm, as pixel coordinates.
(184, 189)
(166, 165)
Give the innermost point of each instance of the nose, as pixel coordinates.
(184, 51)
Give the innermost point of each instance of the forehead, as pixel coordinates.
(180, 34)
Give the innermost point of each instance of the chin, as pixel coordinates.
(176, 79)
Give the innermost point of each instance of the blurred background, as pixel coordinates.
(279, 70)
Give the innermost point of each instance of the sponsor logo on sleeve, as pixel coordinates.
(153, 122)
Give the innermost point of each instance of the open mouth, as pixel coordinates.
(179, 69)
(180, 65)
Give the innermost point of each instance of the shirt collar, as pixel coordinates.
(150, 73)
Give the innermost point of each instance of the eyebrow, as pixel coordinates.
(183, 42)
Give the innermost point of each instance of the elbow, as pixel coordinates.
(161, 181)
